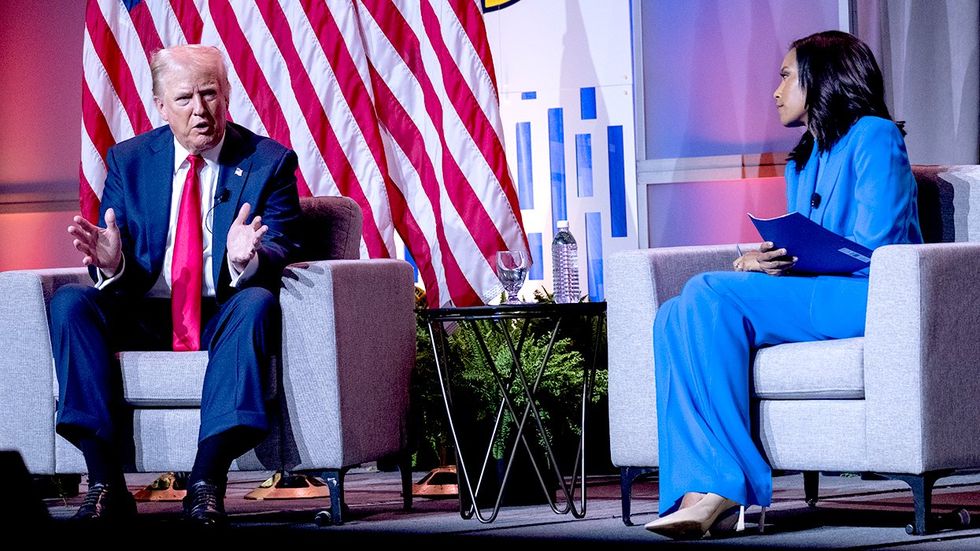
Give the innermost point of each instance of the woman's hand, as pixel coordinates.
(767, 259)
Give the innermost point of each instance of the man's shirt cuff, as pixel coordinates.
(250, 269)
(101, 281)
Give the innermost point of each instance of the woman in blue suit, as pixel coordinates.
(850, 173)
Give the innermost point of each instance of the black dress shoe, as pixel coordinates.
(107, 503)
(204, 503)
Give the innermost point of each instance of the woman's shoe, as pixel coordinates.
(692, 522)
(732, 521)
(729, 521)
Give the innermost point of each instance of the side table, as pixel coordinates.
(515, 384)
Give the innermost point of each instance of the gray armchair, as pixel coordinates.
(900, 401)
(348, 349)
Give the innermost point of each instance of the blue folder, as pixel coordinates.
(819, 250)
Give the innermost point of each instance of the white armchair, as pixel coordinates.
(341, 395)
(900, 401)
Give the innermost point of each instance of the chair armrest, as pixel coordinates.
(27, 387)
(637, 282)
(348, 351)
(922, 353)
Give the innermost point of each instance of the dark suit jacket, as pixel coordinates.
(253, 169)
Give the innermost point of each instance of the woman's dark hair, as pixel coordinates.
(842, 83)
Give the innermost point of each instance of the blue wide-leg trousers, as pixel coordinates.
(703, 343)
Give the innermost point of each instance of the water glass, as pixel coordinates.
(512, 270)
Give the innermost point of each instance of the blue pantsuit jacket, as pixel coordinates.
(703, 338)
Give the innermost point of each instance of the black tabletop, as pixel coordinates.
(514, 311)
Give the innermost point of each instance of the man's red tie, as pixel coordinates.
(188, 263)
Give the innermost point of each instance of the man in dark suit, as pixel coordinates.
(179, 263)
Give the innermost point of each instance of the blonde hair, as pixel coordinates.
(167, 59)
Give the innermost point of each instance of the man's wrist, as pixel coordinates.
(240, 275)
(117, 267)
(103, 278)
(114, 271)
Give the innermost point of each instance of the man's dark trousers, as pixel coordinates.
(88, 326)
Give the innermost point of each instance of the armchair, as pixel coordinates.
(341, 390)
(900, 401)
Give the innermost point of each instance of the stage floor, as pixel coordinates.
(852, 513)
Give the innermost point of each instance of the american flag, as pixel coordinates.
(392, 103)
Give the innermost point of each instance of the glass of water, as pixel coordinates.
(511, 270)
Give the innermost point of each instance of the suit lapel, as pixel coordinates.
(807, 184)
(159, 191)
(234, 165)
(830, 168)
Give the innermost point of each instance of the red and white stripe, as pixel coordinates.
(392, 103)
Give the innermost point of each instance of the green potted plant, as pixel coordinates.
(558, 399)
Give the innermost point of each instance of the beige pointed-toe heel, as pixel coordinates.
(733, 521)
(692, 522)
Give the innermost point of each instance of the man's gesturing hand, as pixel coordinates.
(101, 246)
(244, 239)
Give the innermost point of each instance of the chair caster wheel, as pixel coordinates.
(962, 517)
(957, 519)
(811, 503)
(323, 518)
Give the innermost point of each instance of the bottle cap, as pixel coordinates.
(562, 224)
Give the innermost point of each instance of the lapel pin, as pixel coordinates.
(238, 172)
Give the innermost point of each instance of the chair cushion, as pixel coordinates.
(330, 228)
(163, 378)
(820, 370)
(170, 379)
(949, 202)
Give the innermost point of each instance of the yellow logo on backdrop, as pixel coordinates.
(493, 5)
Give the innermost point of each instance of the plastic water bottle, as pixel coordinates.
(564, 265)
